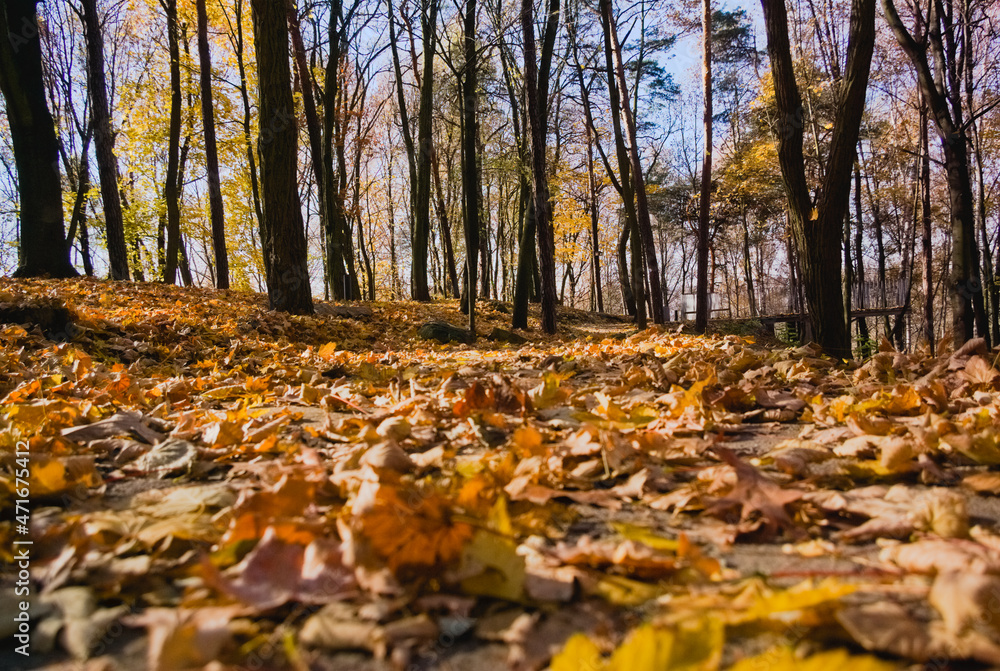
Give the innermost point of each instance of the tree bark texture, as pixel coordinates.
(645, 228)
(216, 212)
(470, 158)
(945, 107)
(627, 190)
(107, 164)
(543, 211)
(44, 249)
(422, 209)
(335, 219)
(817, 227)
(284, 240)
(247, 118)
(703, 291)
(172, 185)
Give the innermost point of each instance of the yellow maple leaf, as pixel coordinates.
(784, 659)
(415, 531)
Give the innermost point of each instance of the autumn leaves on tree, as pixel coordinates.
(537, 138)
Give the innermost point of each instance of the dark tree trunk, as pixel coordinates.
(107, 164)
(337, 244)
(817, 227)
(422, 202)
(485, 253)
(442, 212)
(185, 265)
(247, 118)
(217, 214)
(313, 127)
(523, 278)
(848, 269)
(525, 275)
(859, 258)
(470, 160)
(748, 264)
(43, 249)
(528, 283)
(945, 106)
(84, 237)
(702, 297)
(643, 225)
(593, 140)
(284, 240)
(628, 298)
(78, 216)
(404, 122)
(172, 186)
(624, 168)
(537, 125)
(925, 227)
(595, 243)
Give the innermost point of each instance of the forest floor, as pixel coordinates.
(216, 485)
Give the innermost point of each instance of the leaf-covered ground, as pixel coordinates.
(212, 484)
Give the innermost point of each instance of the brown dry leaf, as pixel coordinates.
(984, 483)
(942, 556)
(57, 475)
(412, 530)
(772, 398)
(755, 493)
(82, 623)
(897, 512)
(277, 571)
(535, 638)
(387, 455)
(223, 433)
(119, 425)
(863, 424)
(888, 628)
(979, 371)
(967, 600)
(182, 638)
(630, 557)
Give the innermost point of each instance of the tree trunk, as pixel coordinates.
(78, 216)
(442, 212)
(471, 193)
(701, 312)
(43, 246)
(171, 187)
(313, 126)
(284, 240)
(537, 126)
(422, 203)
(628, 298)
(848, 269)
(336, 245)
(624, 167)
(863, 333)
(528, 281)
(595, 243)
(748, 264)
(925, 226)
(404, 122)
(817, 227)
(645, 229)
(247, 118)
(964, 280)
(215, 207)
(107, 164)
